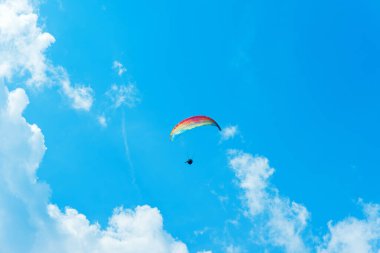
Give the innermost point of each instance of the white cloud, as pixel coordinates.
(81, 97)
(128, 231)
(253, 174)
(353, 235)
(22, 42)
(120, 95)
(22, 199)
(17, 101)
(201, 231)
(119, 68)
(102, 120)
(233, 249)
(229, 132)
(28, 222)
(22, 53)
(26, 215)
(277, 220)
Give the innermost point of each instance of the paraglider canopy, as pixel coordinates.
(192, 122)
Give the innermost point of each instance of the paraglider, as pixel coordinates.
(192, 122)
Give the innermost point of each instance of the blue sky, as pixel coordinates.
(298, 80)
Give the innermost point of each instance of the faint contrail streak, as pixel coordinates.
(127, 153)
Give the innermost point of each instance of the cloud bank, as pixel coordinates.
(28, 221)
(27, 216)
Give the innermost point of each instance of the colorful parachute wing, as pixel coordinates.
(192, 122)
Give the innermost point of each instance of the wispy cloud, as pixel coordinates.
(102, 120)
(201, 231)
(229, 132)
(278, 221)
(233, 249)
(119, 95)
(123, 95)
(126, 148)
(80, 96)
(119, 68)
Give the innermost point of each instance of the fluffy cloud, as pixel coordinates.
(277, 220)
(229, 132)
(26, 215)
(22, 199)
(129, 231)
(120, 95)
(22, 48)
(22, 42)
(353, 235)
